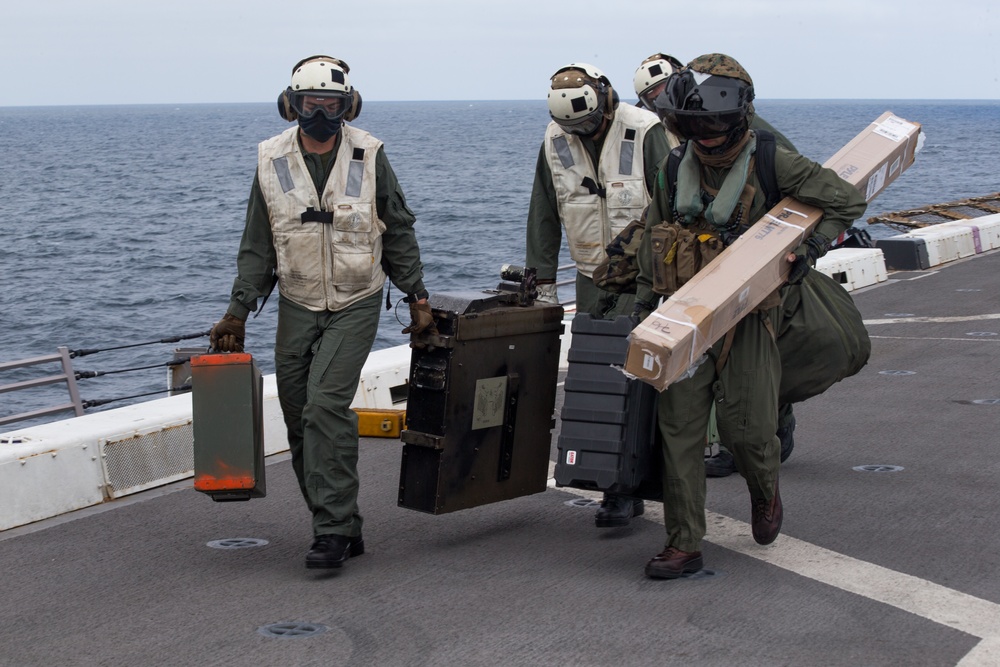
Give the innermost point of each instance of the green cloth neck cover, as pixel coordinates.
(688, 200)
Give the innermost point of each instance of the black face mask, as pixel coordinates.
(586, 128)
(319, 127)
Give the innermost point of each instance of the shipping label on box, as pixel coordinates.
(686, 325)
(877, 156)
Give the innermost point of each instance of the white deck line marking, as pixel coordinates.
(910, 320)
(897, 280)
(951, 608)
(967, 613)
(974, 340)
(985, 654)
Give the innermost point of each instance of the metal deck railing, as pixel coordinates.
(178, 377)
(67, 375)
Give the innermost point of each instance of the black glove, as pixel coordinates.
(228, 334)
(640, 312)
(421, 319)
(805, 258)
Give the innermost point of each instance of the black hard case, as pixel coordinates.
(480, 403)
(608, 432)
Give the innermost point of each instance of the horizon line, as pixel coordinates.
(540, 101)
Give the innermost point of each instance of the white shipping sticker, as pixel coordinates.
(895, 128)
(876, 182)
(571, 458)
(895, 165)
(647, 362)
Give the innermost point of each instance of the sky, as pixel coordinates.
(59, 52)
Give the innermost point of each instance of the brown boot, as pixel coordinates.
(765, 517)
(673, 563)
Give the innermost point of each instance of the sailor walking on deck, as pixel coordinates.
(593, 177)
(716, 197)
(328, 221)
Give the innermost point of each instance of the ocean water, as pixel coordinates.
(120, 224)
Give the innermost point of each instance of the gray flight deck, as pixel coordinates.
(872, 567)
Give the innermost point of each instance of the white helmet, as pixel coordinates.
(321, 73)
(650, 76)
(316, 79)
(580, 96)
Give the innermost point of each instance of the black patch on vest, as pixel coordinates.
(359, 154)
(630, 134)
(593, 188)
(312, 215)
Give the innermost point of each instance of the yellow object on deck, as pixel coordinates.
(380, 423)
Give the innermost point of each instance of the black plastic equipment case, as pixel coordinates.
(480, 403)
(608, 420)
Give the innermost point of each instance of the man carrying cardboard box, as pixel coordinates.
(715, 198)
(649, 80)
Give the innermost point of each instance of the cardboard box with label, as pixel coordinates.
(685, 326)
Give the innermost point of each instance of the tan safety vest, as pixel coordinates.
(590, 220)
(324, 265)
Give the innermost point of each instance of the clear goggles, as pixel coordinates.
(648, 96)
(310, 102)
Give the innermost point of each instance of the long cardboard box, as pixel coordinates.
(685, 326)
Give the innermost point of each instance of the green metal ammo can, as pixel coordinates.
(227, 413)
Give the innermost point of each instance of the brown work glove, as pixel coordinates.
(421, 319)
(228, 334)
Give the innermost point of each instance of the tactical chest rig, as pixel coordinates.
(680, 251)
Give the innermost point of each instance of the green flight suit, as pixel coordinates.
(319, 355)
(745, 390)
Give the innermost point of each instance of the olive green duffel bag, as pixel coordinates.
(822, 337)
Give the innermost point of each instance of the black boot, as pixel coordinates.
(333, 550)
(786, 435)
(618, 510)
(721, 465)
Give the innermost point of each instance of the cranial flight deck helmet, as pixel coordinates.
(320, 96)
(580, 98)
(711, 97)
(651, 75)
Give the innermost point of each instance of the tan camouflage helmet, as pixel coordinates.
(720, 64)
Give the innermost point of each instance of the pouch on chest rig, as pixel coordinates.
(678, 254)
